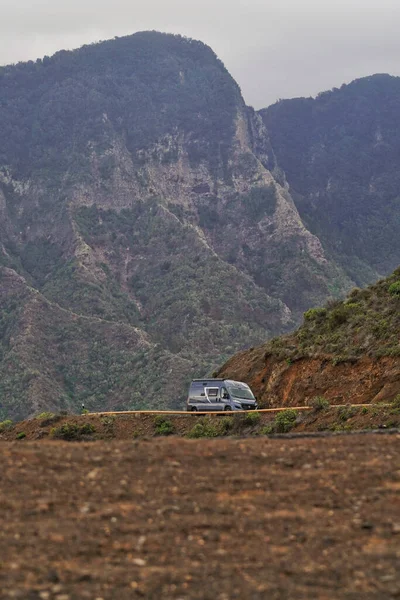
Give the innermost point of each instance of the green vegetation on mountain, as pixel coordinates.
(146, 229)
(344, 353)
(367, 323)
(340, 155)
(115, 296)
(191, 306)
(142, 87)
(53, 358)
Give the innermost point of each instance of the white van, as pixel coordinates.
(220, 394)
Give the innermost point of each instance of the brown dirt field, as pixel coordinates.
(201, 519)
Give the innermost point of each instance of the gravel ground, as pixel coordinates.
(201, 519)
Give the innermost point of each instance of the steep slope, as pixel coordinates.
(54, 359)
(137, 189)
(340, 153)
(347, 352)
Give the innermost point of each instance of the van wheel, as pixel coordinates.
(194, 409)
(227, 408)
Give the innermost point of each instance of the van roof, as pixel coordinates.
(212, 379)
(207, 379)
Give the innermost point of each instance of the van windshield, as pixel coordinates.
(240, 392)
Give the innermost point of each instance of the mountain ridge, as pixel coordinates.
(339, 152)
(137, 188)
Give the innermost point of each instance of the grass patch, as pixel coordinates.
(21, 435)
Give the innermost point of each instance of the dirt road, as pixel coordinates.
(201, 519)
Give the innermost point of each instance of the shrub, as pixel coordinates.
(205, 429)
(21, 435)
(72, 431)
(340, 428)
(267, 429)
(226, 424)
(47, 418)
(394, 288)
(354, 293)
(346, 412)
(319, 403)
(285, 420)
(315, 314)
(252, 418)
(45, 415)
(163, 426)
(396, 402)
(5, 425)
(338, 316)
(260, 201)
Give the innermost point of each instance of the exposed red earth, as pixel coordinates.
(278, 382)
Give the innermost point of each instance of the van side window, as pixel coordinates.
(224, 393)
(213, 392)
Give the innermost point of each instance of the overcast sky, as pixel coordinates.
(273, 48)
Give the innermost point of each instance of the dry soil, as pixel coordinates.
(201, 519)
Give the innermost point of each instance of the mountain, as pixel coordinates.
(146, 229)
(340, 154)
(346, 352)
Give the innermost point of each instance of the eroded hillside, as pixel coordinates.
(347, 352)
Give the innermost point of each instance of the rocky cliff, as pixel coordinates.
(146, 231)
(340, 153)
